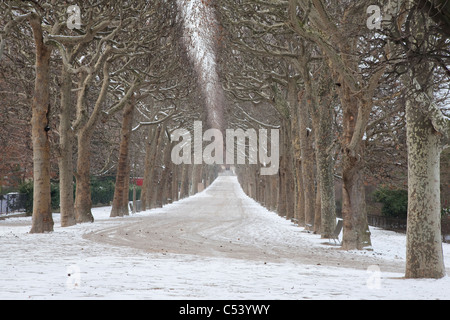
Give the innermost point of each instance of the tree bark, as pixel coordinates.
(318, 208)
(42, 209)
(147, 167)
(324, 160)
(175, 182)
(120, 201)
(65, 161)
(196, 178)
(184, 181)
(307, 160)
(282, 207)
(426, 129)
(152, 195)
(297, 164)
(166, 182)
(290, 184)
(86, 124)
(126, 193)
(83, 200)
(150, 158)
(300, 200)
(424, 256)
(356, 234)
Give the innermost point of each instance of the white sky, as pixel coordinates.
(199, 21)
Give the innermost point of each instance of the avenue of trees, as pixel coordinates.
(359, 91)
(342, 79)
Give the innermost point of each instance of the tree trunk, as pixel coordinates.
(83, 200)
(318, 98)
(166, 182)
(120, 201)
(324, 160)
(126, 193)
(282, 208)
(135, 209)
(426, 127)
(147, 167)
(424, 256)
(42, 208)
(318, 209)
(274, 194)
(150, 158)
(86, 125)
(290, 184)
(196, 178)
(157, 171)
(356, 231)
(299, 210)
(65, 161)
(300, 199)
(152, 199)
(307, 156)
(184, 181)
(356, 234)
(175, 182)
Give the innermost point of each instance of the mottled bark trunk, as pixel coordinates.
(120, 201)
(426, 129)
(42, 209)
(325, 163)
(424, 256)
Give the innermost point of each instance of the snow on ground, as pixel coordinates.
(66, 265)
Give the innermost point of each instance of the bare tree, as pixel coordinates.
(260, 31)
(42, 211)
(422, 56)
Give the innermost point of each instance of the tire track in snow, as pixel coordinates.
(223, 222)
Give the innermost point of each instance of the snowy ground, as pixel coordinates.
(219, 244)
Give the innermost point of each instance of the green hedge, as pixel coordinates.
(27, 188)
(102, 192)
(395, 201)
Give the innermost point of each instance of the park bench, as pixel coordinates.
(337, 231)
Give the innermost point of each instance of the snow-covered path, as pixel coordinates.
(219, 244)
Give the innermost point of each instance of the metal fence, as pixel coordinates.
(401, 224)
(12, 203)
(387, 223)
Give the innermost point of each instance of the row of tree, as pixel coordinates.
(96, 74)
(353, 88)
